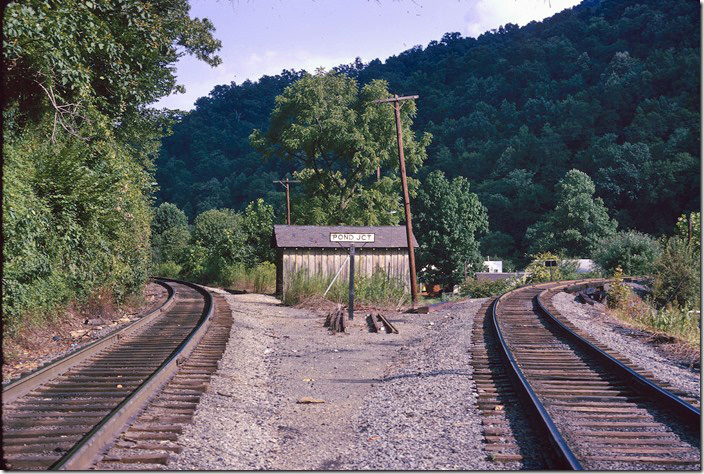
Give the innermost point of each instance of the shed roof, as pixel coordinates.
(313, 236)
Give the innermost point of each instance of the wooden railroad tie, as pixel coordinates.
(374, 326)
(335, 321)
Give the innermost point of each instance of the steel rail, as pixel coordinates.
(689, 415)
(84, 453)
(25, 384)
(564, 458)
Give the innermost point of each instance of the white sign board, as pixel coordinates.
(351, 238)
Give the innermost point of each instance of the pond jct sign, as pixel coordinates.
(351, 237)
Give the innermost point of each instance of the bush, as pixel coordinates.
(633, 251)
(677, 275)
(537, 272)
(618, 292)
(74, 219)
(474, 288)
(167, 270)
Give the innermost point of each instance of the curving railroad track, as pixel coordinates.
(591, 407)
(66, 414)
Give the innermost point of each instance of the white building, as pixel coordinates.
(494, 266)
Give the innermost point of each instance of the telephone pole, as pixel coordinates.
(396, 102)
(288, 198)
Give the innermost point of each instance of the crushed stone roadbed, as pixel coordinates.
(289, 395)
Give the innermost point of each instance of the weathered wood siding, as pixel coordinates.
(326, 262)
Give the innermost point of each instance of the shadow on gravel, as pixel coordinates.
(432, 373)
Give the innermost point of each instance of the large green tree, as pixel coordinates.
(576, 224)
(449, 219)
(337, 137)
(611, 88)
(79, 142)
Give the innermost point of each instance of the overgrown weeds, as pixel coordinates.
(260, 279)
(377, 290)
(672, 321)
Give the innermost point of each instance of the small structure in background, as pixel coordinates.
(494, 276)
(494, 266)
(312, 251)
(585, 265)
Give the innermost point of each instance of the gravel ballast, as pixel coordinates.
(596, 322)
(291, 396)
(387, 401)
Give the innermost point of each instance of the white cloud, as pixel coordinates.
(489, 14)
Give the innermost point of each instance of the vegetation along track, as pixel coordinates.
(66, 415)
(596, 409)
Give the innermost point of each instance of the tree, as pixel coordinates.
(448, 221)
(634, 252)
(338, 137)
(79, 143)
(221, 232)
(65, 57)
(258, 226)
(167, 216)
(170, 233)
(576, 224)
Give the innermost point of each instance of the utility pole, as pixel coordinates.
(396, 102)
(288, 198)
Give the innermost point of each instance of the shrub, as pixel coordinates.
(170, 244)
(167, 270)
(633, 251)
(618, 292)
(537, 272)
(474, 288)
(677, 275)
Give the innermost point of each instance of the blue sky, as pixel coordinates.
(263, 37)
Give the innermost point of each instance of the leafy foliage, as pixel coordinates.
(338, 137)
(448, 221)
(610, 88)
(576, 224)
(537, 272)
(474, 288)
(79, 144)
(677, 275)
(634, 252)
(168, 216)
(682, 229)
(258, 225)
(618, 292)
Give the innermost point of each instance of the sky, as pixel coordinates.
(264, 37)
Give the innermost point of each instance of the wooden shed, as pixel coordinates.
(321, 250)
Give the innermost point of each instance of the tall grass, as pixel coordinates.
(672, 321)
(376, 290)
(260, 279)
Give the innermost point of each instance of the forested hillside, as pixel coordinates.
(610, 88)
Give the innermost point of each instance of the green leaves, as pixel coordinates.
(337, 137)
(448, 220)
(576, 223)
(84, 53)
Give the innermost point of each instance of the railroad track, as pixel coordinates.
(67, 414)
(593, 408)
